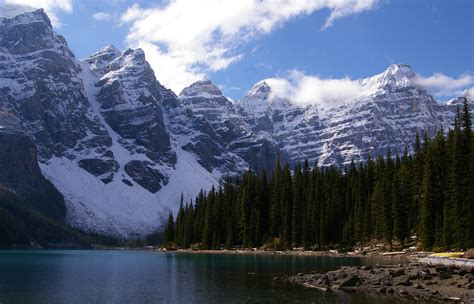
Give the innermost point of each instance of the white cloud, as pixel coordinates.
(440, 84)
(341, 9)
(171, 71)
(184, 39)
(306, 89)
(51, 7)
(101, 16)
(10, 11)
(314, 89)
(281, 88)
(469, 93)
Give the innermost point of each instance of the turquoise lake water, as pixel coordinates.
(116, 276)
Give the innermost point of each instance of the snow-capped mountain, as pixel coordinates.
(121, 148)
(386, 117)
(228, 129)
(99, 128)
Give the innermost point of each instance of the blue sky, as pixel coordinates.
(236, 47)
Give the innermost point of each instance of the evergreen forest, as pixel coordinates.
(428, 193)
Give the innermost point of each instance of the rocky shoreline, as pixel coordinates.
(394, 257)
(413, 280)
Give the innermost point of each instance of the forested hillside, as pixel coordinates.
(392, 197)
(21, 225)
(24, 226)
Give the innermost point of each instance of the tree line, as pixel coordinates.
(428, 193)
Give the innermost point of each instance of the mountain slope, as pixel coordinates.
(99, 128)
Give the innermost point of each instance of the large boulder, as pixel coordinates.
(350, 281)
(469, 254)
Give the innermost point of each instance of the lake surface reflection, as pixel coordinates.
(122, 276)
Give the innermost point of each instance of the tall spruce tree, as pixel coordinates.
(168, 234)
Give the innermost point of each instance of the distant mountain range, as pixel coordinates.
(121, 148)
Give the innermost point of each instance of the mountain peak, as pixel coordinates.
(100, 59)
(134, 52)
(261, 87)
(24, 15)
(459, 100)
(31, 31)
(111, 58)
(399, 69)
(134, 57)
(201, 87)
(395, 76)
(261, 90)
(108, 50)
(109, 53)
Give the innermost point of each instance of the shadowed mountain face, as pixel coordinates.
(20, 173)
(121, 147)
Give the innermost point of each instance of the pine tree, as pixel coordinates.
(296, 216)
(286, 201)
(180, 233)
(417, 170)
(438, 150)
(404, 200)
(306, 206)
(467, 179)
(315, 202)
(378, 200)
(246, 205)
(262, 210)
(169, 230)
(368, 232)
(428, 201)
(396, 200)
(276, 182)
(189, 236)
(208, 219)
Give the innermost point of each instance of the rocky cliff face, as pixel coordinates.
(231, 137)
(121, 147)
(386, 117)
(20, 172)
(126, 94)
(40, 84)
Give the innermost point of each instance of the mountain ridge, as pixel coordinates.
(121, 147)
